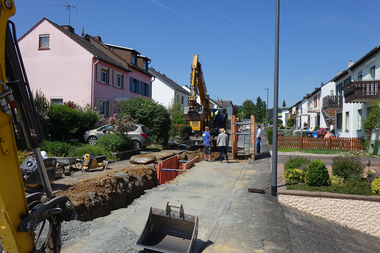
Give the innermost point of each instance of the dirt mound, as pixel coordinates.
(188, 155)
(97, 197)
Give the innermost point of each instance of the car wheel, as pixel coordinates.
(92, 140)
(137, 144)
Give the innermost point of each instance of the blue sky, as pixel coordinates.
(234, 39)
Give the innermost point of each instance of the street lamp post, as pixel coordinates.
(266, 114)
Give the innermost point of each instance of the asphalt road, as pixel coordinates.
(231, 219)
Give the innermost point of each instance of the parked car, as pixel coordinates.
(139, 135)
(323, 130)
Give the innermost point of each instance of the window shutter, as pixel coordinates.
(138, 87)
(131, 84)
(109, 76)
(147, 90)
(97, 104)
(142, 88)
(114, 78)
(109, 113)
(98, 72)
(123, 82)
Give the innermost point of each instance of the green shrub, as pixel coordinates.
(375, 185)
(184, 131)
(66, 123)
(114, 143)
(94, 150)
(347, 167)
(316, 173)
(290, 123)
(316, 128)
(297, 162)
(282, 127)
(270, 136)
(336, 180)
(56, 148)
(294, 175)
(150, 113)
(357, 188)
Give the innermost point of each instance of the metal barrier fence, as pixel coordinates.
(340, 143)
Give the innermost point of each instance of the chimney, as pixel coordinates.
(322, 84)
(350, 64)
(338, 73)
(68, 28)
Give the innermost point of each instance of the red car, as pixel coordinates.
(323, 130)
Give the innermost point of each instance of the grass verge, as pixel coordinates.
(352, 187)
(315, 151)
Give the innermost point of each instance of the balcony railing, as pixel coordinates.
(312, 109)
(361, 91)
(333, 102)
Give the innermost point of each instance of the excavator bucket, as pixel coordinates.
(198, 114)
(169, 231)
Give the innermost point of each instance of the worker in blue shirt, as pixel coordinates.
(207, 143)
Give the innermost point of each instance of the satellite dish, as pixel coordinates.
(82, 33)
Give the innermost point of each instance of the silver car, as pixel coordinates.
(139, 135)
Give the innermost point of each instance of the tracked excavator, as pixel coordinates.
(198, 111)
(20, 214)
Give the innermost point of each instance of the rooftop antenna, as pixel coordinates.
(68, 7)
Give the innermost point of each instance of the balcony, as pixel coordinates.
(333, 102)
(361, 91)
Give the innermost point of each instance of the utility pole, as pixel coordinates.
(275, 102)
(68, 7)
(266, 114)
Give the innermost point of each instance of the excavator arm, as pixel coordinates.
(197, 111)
(20, 214)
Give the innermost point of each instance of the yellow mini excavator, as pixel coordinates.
(20, 214)
(199, 113)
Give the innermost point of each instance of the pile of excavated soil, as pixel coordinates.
(188, 155)
(97, 197)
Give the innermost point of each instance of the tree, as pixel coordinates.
(149, 113)
(283, 104)
(371, 122)
(42, 106)
(248, 109)
(176, 112)
(260, 110)
(290, 123)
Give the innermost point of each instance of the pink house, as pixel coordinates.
(68, 67)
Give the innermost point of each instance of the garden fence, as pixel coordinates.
(340, 143)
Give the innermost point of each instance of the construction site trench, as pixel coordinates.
(97, 196)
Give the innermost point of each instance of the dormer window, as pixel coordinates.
(44, 41)
(145, 65)
(133, 60)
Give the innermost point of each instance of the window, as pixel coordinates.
(133, 59)
(360, 126)
(360, 76)
(145, 89)
(103, 107)
(119, 80)
(347, 121)
(339, 121)
(372, 72)
(182, 100)
(103, 75)
(57, 101)
(145, 65)
(134, 85)
(44, 41)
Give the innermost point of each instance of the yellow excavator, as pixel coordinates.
(20, 214)
(199, 114)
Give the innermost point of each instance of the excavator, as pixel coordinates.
(21, 214)
(199, 113)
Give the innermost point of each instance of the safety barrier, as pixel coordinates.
(167, 170)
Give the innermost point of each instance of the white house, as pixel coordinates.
(165, 90)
